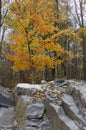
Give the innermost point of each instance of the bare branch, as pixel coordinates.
(76, 10)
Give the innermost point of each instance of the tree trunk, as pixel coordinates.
(21, 77)
(84, 60)
(84, 42)
(56, 71)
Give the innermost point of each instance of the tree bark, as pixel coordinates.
(84, 60)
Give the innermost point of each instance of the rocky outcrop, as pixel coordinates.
(35, 111)
(7, 119)
(7, 110)
(6, 99)
(68, 107)
(59, 106)
(59, 120)
(79, 93)
(55, 105)
(36, 117)
(31, 115)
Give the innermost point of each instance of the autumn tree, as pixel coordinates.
(33, 36)
(39, 37)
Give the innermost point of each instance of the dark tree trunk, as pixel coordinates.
(21, 77)
(84, 60)
(83, 44)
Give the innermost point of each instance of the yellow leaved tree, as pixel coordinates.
(34, 38)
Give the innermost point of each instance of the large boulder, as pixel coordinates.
(26, 89)
(7, 118)
(79, 92)
(59, 121)
(30, 114)
(36, 117)
(6, 99)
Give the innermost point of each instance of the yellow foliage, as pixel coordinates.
(33, 40)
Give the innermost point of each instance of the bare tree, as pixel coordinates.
(4, 4)
(81, 23)
(78, 17)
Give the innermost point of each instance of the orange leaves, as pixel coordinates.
(52, 47)
(44, 27)
(21, 61)
(33, 41)
(41, 61)
(40, 25)
(10, 57)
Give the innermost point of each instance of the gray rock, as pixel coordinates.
(43, 82)
(66, 82)
(62, 112)
(20, 91)
(59, 121)
(59, 80)
(4, 91)
(27, 113)
(45, 125)
(38, 124)
(6, 101)
(51, 83)
(33, 122)
(2, 110)
(30, 128)
(79, 94)
(72, 110)
(62, 83)
(35, 111)
(7, 118)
